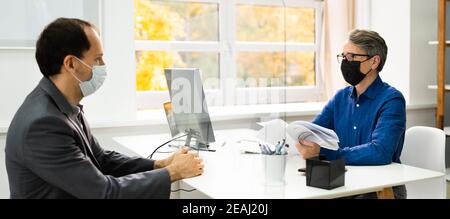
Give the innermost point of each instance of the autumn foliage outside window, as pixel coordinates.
(159, 22)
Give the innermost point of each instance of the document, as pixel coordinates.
(276, 130)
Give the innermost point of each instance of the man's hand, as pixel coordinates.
(308, 149)
(166, 162)
(185, 165)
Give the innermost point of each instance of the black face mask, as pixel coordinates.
(351, 72)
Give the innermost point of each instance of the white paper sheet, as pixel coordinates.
(276, 130)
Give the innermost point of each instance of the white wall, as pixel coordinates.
(116, 100)
(423, 57)
(391, 19)
(31, 16)
(19, 74)
(407, 26)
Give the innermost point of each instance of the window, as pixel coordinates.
(30, 18)
(249, 51)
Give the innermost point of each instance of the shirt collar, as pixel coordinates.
(59, 99)
(371, 91)
(77, 109)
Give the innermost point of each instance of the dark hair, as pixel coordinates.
(62, 37)
(372, 43)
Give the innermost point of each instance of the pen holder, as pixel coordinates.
(274, 168)
(325, 174)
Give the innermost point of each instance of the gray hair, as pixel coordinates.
(372, 43)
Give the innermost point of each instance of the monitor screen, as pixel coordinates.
(189, 107)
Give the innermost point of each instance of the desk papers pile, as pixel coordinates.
(275, 130)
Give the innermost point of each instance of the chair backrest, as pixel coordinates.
(424, 147)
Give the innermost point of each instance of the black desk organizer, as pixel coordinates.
(325, 174)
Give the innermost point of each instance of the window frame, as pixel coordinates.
(227, 48)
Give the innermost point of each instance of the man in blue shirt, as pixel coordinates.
(369, 116)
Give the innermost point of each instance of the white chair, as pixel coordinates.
(424, 147)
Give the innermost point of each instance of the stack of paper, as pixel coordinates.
(324, 137)
(276, 130)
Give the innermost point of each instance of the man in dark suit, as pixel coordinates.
(50, 150)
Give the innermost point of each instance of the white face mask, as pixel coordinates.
(98, 77)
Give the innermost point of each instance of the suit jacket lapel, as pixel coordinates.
(65, 107)
(86, 142)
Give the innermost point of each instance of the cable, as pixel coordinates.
(164, 152)
(184, 190)
(198, 149)
(167, 142)
(173, 139)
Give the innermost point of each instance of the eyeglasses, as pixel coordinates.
(349, 56)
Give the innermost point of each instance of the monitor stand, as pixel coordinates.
(198, 145)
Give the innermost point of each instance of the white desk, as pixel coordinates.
(229, 174)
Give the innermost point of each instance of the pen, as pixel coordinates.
(278, 148)
(267, 148)
(283, 151)
(283, 147)
(263, 149)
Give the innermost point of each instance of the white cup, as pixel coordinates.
(274, 168)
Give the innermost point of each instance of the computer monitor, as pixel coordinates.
(189, 106)
(170, 119)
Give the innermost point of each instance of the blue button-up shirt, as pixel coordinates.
(370, 128)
